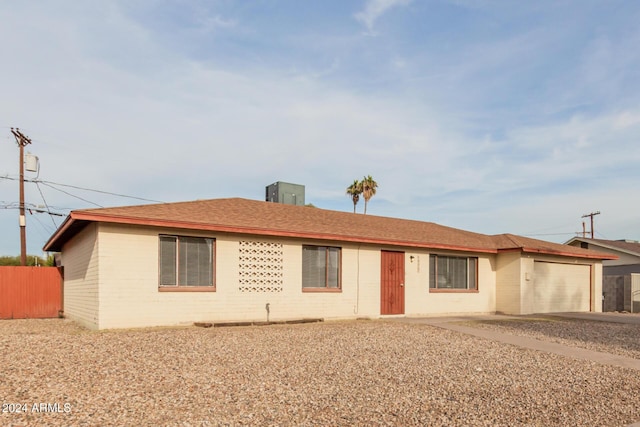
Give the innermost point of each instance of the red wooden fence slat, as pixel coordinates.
(30, 292)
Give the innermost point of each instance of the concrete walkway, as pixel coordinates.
(451, 323)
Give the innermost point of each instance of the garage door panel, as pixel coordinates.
(561, 287)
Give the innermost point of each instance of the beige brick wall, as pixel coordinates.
(130, 297)
(124, 259)
(420, 302)
(129, 278)
(80, 260)
(129, 281)
(508, 282)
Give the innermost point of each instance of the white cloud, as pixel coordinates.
(626, 119)
(586, 148)
(374, 9)
(212, 23)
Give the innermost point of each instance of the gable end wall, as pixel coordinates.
(81, 278)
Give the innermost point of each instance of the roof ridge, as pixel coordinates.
(499, 239)
(515, 241)
(258, 217)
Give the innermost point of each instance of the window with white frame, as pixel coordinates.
(321, 267)
(186, 261)
(448, 272)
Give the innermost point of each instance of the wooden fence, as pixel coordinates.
(30, 292)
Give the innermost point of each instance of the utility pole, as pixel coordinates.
(22, 141)
(592, 214)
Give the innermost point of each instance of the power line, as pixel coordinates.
(43, 230)
(50, 183)
(9, 205)
(542, 230)
(33, 209)
(549, 234)
(46, 205)
(97, 191)
(72, 195)
(47, 229)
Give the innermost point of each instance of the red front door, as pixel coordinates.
(392, 283)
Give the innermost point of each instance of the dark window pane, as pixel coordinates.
(333, 269)
(473, 284)
(442, 267)
(167, 261)
(432, 271)
(458, 273)
(313, 266)
(195, 262)
(452, 272)
(320, 267)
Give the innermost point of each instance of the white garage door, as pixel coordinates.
(561, 287)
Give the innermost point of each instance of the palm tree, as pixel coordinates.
(354, 191)
(369, 187)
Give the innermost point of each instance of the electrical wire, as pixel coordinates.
(46, 205)
(41, 229)
(50, 184)
(548, 234)
(97, 191)
(46, 228)
(602, 236)
(9, 205)
(31, 208)
(72, 195)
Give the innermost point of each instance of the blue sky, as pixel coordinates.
(490, 116)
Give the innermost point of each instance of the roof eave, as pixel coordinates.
(96, 217)
(595, 255)
(50, 246)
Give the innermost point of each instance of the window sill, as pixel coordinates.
(330, 290)
(453, 291)
(186, 288)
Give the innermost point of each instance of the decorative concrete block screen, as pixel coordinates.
(261, 266)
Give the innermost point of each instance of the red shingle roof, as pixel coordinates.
(244, 216)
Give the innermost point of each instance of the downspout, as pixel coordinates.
(356, 308)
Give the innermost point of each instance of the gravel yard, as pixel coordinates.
(335, 373)
(614, 338)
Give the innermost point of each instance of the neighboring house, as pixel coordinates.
(243, 260)
(627, 251)
(621, 276)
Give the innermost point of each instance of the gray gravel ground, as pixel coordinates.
(338, 373)
(614, 338)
